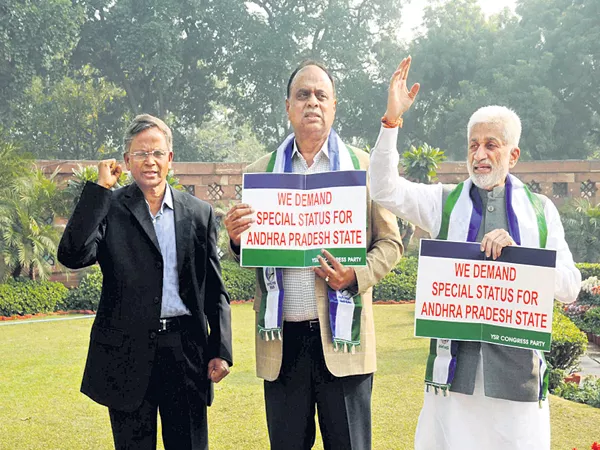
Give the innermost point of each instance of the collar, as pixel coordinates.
(496, 192)
(167, 201)
(324, 150)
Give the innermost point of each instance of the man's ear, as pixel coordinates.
(514, 157)
(126, 160)
(287, 106)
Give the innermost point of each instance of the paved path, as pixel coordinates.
(20, 322)
(590, 362)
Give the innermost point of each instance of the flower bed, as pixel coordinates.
(595, 446)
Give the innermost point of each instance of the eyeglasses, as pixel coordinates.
(156, 154)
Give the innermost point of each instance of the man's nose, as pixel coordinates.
(480, 153)
(312, 99)
(149, 160)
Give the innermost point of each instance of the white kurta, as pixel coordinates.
(459, 421)
(477, 422)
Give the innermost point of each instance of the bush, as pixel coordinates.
(588, 393)
(591, 320)
(24, 296)
(588, 270)
(400, 283)
(239, 281)
(590, 292)
(568, 344)
(87, 295)
(556, 379)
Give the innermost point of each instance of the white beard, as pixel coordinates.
(486, 180)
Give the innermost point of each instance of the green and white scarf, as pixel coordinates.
(344, 309)
(461, 219)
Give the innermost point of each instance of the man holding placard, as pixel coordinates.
(480, 395)
(301, 349)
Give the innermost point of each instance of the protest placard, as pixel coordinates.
(462, 295)
(297, 215)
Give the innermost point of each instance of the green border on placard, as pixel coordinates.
(254, 257)
(465, 331)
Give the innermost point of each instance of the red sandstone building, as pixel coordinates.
(221, 183)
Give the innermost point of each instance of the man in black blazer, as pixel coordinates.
(162, 332)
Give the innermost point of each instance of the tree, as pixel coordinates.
(75, 118)
(36, 38)
(543, 65)
(216, 140)
(81, 176)
(581, 220)
(274, 36)
(89, 174)
(420, 163)
(568, 32)
(13, 162)
(28, 237)
(455, 44)
(166, 55)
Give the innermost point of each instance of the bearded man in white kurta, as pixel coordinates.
(497, 394)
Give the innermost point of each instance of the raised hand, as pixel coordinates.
(400, 98)
(109, 172)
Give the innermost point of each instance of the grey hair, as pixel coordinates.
(501, 115)
(144, 122)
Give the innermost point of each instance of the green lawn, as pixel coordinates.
(41, 407)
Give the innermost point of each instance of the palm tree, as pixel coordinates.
(420, 164)
(13, 163)
(83, 174)
(28, 238)
(581, 220)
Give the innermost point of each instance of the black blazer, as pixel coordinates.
(114, 228)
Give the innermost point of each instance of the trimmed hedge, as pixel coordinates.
(588, 270)
(239, 281)
(568, 344)
(591, 321)
(400, 284)
(24, 296)
(87, 294)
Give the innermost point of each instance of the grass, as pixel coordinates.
(41, 407)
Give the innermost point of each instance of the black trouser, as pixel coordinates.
(343, 403)
(184, 425)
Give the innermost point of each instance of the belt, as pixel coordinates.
(305, 325)
(170, 324)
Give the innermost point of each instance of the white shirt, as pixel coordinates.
(421, 204)
(459, 421)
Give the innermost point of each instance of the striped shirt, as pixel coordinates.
(299, 283)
